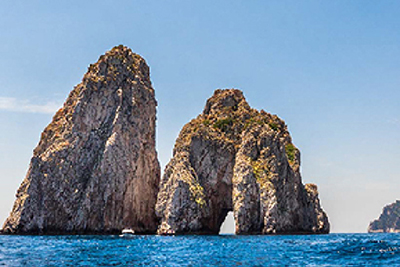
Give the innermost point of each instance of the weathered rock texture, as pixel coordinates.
(233, 157)
(95, 169)
(389, 221)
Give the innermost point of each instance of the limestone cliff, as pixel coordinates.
(389, 221)
(233, 157)
(95, 169)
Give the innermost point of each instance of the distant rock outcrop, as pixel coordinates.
(389, 221)
(95, 169)
(235, 158)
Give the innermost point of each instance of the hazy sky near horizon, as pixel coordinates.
(330, 69)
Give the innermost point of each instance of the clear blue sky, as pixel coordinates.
(330, 69)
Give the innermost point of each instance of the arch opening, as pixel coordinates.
(228, 226)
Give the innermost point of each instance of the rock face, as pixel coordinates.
(95, 169)
(389, 221)
(235, 158)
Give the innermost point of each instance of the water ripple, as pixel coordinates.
(228, 250)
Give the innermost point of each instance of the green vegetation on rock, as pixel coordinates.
(273, 126)
(206, 122)
(223, 124)
(260, 171)
(290, 152)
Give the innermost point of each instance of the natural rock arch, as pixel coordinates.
(232, 157)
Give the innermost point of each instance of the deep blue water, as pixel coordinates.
(228, 250)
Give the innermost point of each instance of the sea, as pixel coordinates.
(219, 250)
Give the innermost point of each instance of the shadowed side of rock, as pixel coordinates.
(95, 169)
(235, 158)
(189, 200)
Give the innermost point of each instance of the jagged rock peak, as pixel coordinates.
(225, 116)
(118, 60)
(95, 169)
(233, 157)
(389, 220)
(225, 100)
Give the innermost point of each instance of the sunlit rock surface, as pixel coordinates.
(235, 158)
(389, 220)
(95, 169)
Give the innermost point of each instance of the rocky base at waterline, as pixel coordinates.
(235, 158)
(95, 169)
(389, 220)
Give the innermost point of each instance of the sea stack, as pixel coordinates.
(235, 158)
(389, 221)
(95, 169)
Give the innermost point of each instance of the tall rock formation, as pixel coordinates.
(233, 157)
(95, 169)
(389, 221)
